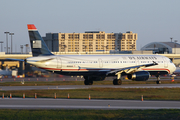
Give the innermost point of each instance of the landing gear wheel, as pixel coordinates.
(88, 82)
(158, 82)
(114, 82)
(117, 82)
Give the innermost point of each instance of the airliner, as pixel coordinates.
(97, 67)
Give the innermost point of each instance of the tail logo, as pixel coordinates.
(37, 44)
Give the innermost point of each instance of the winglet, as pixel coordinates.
(31, 27)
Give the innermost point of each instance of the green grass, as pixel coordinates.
(106, 82)
(103, 93)
(163, 114)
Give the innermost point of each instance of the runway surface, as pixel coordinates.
(69, 78)
(63, 87)
(44, 103)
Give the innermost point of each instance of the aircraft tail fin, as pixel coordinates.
(38, 46)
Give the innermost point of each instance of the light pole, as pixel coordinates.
(154, 48)
(132, 47)
(27, 45)
(11, 41)
(4, 48)
(85, 48)
(9, 49)
(6, 40)
(60, 48)
(90, 46)
(171, 39)
(1, 45)
(21, 46)
(175, 45)
(106, 48)
(65, 48)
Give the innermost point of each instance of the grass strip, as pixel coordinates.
(106, 82)
(102, 93)
(162, 114)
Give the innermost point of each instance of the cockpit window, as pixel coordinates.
(170, 61)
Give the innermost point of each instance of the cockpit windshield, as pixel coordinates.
(170, 61)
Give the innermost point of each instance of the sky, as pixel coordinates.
(152, 20)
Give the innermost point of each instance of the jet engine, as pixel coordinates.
(139, 76)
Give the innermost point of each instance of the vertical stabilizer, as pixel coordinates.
(38, 46)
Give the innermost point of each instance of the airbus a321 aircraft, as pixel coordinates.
(97, 67)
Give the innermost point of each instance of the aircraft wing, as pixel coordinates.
(132, 69)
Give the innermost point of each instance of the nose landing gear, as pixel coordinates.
(158, 79)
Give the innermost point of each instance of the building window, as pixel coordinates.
(123, 37)
(70, 36)
(120, 36)
(91, 36)
(62, 36)
(85, 36)
(97, 36)
(102, 36)
(130, 37)
(76, 36)
(108, 36)
(113, 37)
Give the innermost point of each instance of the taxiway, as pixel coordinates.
(44, 103)
(63, 87)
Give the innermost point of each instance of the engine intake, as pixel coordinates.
(139, 76)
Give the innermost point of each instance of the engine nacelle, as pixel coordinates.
(139, 76)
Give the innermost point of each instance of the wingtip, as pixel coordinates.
(31, 27)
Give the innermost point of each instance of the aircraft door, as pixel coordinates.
(165, 62)
(59, 62)
(137, 62)
(100, 62)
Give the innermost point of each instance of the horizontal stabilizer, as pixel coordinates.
(10, 59)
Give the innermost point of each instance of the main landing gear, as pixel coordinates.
(158, 79)
(117, 82)
(88, 80)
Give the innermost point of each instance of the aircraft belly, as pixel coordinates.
(84, 73)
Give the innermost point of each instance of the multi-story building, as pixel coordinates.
(126, 41)
(91, 41)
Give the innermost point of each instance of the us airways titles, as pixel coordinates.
(142, 58)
